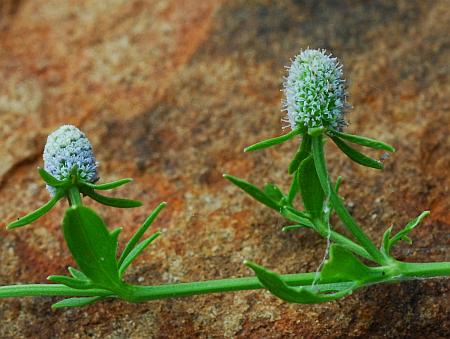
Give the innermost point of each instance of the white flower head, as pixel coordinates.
(65, 148)
(314, 89)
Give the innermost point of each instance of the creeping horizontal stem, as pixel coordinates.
(393, 272)
(143, 293)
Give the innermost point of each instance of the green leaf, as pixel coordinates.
(115, 233)
(300, 217)
(356, 156)
(385, 246)
(109, 201)
(115, 236)
(76, 302)
(310, 188)
(50, 179)
(407, 239)
(300, 295)
(135, 252)
(273, 192)
(77, 274)
(254, 191)
(321, 166)
(342, 265)
(71, 282)
(338, 184)
(92, 246)
(293, 190)
(140, 232)
(273, 141)
(363, 141)
(29, 218)
(293, 227)
(403, 234)
(109, 185)
(303, 151)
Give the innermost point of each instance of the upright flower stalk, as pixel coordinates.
(315, 101)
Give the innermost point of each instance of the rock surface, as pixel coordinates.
(169, 93)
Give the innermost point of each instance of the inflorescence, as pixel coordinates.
(314, 90)
(66, 148)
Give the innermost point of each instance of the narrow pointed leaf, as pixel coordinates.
(273, 192)
(363, 141)
(296, 216)
(403, 234)
(293, 190)
(92, 246)
(413, 223)
(293, 227)
(310, 188)
(356, 156)
(385, 244)
(273, 141)
(254, 191)
(50, 179)
(29, 218)
(110, 201)
(135, 252)
(140, 232)
(338, 184)
(321, 166)
(115, 236)
(303, 151)
(70, 282)
(299, 295)
(115, 233)
(76, 302)
(109, 185)
(407, 239)
(77, 274)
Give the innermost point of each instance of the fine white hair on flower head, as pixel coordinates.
(65, 148)
(314, 89)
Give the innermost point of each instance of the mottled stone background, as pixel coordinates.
(170, 92)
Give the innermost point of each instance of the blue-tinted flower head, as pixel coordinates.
(314, 90)
(65, 148)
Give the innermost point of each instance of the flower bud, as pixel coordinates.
(65, 148)
(314, 90)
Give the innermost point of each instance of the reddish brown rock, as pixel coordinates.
(170, 92)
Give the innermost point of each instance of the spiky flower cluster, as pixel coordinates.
(315, 91)
(65, 148)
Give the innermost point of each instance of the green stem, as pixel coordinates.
(424, 270)
(395, 271)
(48, 290)
(142, 293)
(350, 223)
(74, 196)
